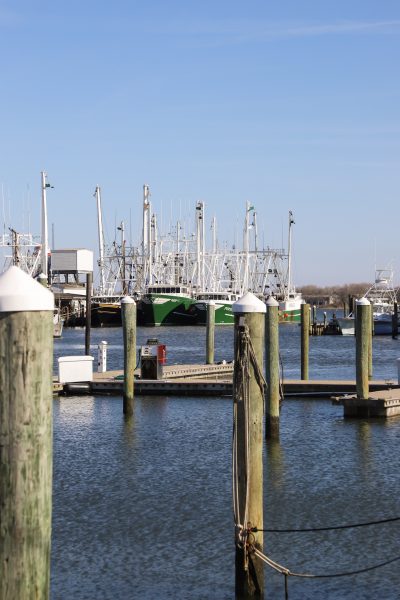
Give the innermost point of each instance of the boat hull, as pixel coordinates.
(290, 312)
(223, 313)
(106, 314)
(381, 327)
(158, 310)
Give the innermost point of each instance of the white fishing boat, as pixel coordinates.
(382, 297)
(223, 302)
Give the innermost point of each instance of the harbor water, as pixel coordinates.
(143, 508)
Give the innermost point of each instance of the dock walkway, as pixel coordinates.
(209, 380)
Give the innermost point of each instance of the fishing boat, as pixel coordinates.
(167, 305)
(223, 302)
(382, 297)
(290, 307)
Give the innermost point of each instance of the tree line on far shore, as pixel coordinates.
(333, 295)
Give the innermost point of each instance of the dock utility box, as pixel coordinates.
(152, 359)
(73, 369)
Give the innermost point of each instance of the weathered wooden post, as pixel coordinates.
(128, 314)
(272, 369)
(210, 333)
(305, 340)
(363, 334)
(89, 283)
(395, 321)
(371, 334)
(248, 404)
(26, 395)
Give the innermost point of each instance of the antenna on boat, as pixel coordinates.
(289, 271)
(45, 240)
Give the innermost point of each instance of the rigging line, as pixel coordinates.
(281, 379)
(286, 571)
(334, 527)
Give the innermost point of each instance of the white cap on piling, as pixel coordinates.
(272, 301)
(127, 300)
(19, 292)
(249, 303)
(363, 302)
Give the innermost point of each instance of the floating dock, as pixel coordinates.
(382, 403)
(212, 380)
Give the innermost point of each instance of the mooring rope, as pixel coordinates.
(281, 379)
(244, 356)
(285, 571)
(331, 528)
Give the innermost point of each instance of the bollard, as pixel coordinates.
(89, 283)
(210, 333)
(248, 403)
(102, 357)
(272, 368)
(128, 314)
(363, 334)
(26, 395)
(305, 340)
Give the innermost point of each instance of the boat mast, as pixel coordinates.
(121, 228)
(246, 247)
(100, 230)
(146, 234)
(255, 232)
(214, 234)
(200, 243)
(45, 240)
(289, 271)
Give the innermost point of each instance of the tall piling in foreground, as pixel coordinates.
(89, 284)
(26, 395)
(272, 394)
(128, 315)
(248, 404)
(210, 333)
(363, 334)
(305, 339)
(371, 334)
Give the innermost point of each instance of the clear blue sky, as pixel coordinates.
(290, 105)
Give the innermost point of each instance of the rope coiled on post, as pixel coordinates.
(244, 357)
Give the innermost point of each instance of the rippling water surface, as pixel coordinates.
(142, 509)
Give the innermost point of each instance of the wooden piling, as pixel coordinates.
(395, 321)
(272, 369)
(248, 397)
(363, 334)
(128, 315)
(210, 333)
(305, 339)
(88, 322)
(26, 359)
(371, 334)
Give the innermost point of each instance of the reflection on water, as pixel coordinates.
(142, 507)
